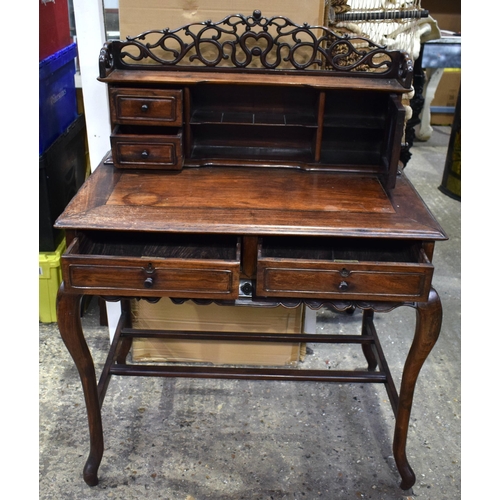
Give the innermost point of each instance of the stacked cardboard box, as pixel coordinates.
(165, 315)
(138, 17)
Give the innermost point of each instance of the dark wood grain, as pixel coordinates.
(250, 201)
(144, 77)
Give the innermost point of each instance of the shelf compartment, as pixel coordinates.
(350, 146)
(304, 118)
(151, 264)
(243, 104)
(343, 268)
(356, 122)
(354, 109)
(253, 142)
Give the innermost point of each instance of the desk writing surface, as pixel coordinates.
(249, 201)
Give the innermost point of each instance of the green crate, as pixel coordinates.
(50, 277)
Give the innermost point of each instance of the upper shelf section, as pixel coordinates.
(258, 45)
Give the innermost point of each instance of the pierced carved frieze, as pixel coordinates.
(335, 305)
(255, 42)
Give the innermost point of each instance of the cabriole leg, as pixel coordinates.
(70, 328)
(428, 326)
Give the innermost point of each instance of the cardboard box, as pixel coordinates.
(138, 17)
(212, 317)
(447, 13)
(446, 97)
(448, 22)
(447, 90)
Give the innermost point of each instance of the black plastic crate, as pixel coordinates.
(63, 170)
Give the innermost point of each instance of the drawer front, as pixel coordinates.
(202, 280)
(149, 152)
(150, 276)
(369, 281)
(151, 107)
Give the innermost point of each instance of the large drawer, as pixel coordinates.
(135, 264)
(146, 107)
(146, 149)
(343, 269)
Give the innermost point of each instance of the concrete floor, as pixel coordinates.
(198, 440)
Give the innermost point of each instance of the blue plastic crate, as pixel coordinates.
(58, 105)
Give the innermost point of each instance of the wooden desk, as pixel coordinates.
(133, 234)
(287, 181)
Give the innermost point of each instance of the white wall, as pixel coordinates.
(89, 21)
(91, 35)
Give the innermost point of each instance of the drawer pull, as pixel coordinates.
(144, 107)
(344, 272)
(148, 282)
(343, 286)
(145, 154)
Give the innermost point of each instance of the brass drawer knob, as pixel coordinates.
(144, 154)
(144, 108)
(343, 285)
(148, 282)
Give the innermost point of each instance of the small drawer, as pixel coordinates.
(148, 149)
(146, 107)
(343, 269)
(135, 264)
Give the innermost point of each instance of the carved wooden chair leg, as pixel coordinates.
(429, 316)
(70, 328)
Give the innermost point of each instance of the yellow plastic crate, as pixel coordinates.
(50, 277)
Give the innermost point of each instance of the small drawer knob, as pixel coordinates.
(144, 107)
(344, 272)
(148, 282)
(343, 285)
(145, 154)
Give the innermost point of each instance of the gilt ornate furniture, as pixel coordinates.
(253, 162)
